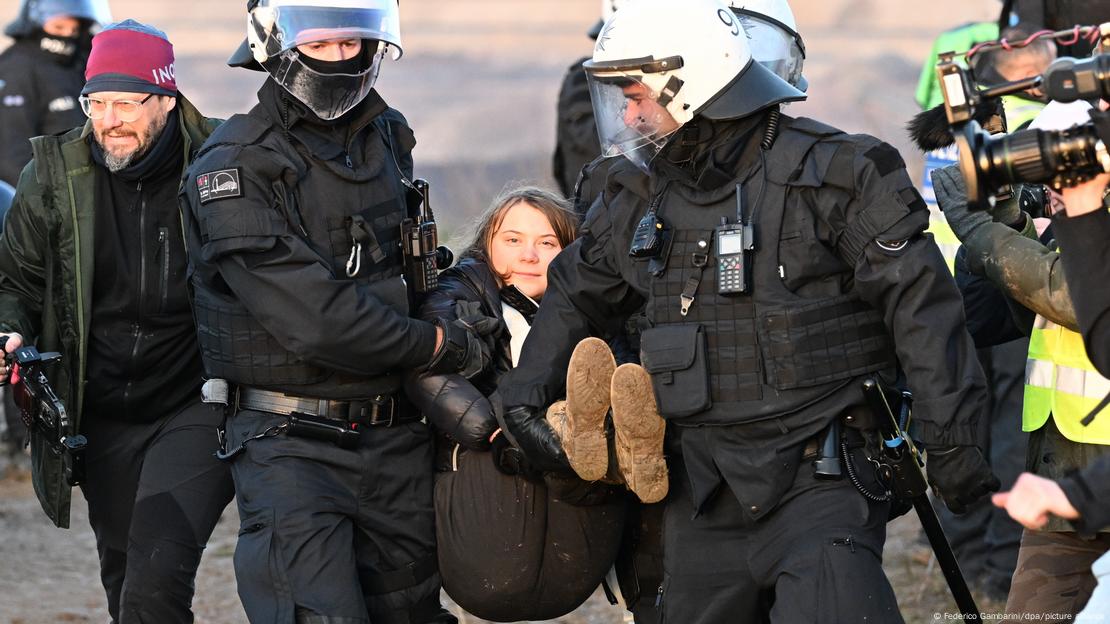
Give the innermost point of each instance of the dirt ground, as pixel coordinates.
(478, 82)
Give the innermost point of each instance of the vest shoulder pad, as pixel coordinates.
(624, 175)
(791, 157)
(401, 135)
(237, 130)
(813, 127)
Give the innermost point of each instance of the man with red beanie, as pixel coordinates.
(92, 265)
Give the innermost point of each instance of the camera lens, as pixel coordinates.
(1019, 156)
(1057, 158)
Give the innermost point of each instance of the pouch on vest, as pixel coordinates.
(817, 343)
(675, 357)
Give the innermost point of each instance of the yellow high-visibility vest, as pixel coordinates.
(1061, 382)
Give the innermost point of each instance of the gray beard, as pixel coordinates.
(115, 164)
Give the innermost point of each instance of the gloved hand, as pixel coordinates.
(529, 430)
(1009, 212)
(510, 460)
(487, 328)
(468, 342)
(951, 194)
(959, 475)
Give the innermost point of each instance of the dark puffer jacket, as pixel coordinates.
(458, 408)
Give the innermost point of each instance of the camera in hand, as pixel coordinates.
(423, 254)
(1057, 158)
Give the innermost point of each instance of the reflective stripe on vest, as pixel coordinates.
(1061, 382)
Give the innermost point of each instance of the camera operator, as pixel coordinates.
(1003, 246)
(1084, 228)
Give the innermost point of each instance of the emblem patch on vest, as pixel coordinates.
(222, 184)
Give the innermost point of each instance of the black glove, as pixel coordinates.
(487, 328)
(959, 475)
(468, 342)
(528, 429)
(510, 460)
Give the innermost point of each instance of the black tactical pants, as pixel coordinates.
(817, 559)
(155, 492)
(335, 536)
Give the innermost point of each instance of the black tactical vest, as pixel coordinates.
(354, 224)
(743, 358)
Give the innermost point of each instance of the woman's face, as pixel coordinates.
(522, 247)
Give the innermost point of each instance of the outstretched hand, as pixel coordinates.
(1032, 499)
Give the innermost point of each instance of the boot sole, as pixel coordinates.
(639, 430)
(588, 381)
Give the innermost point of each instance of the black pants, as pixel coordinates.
(511, 549)
(335, 536)
(155, 492)
(817, 559)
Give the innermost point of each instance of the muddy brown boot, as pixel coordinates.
(589, 376)
(638, 433)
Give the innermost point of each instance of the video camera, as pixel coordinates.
(1058, 158)
(42, 411)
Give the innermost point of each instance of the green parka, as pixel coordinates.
(46, 272)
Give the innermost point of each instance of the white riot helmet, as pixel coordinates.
(276, 27)
(608, 8)
(658, 63)
(773, 37)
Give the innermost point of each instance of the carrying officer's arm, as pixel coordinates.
(901, 272)
(586, 296)
(23, 248)
(289, 288)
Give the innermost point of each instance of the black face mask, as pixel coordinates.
(354, 65)
(61, 49)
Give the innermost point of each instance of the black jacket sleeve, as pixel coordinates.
(1086, 239)
(288, 287)
(1089, 492)
(451, 403)
(902, 273)
(587, 295)
(989, 312)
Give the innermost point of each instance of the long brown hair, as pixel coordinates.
(555, 207)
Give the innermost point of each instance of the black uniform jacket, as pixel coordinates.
(280, 249)
(866, 240)
(38, 96)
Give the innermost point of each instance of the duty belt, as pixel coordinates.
(383, 410)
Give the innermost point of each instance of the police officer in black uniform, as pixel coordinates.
(42, 73)
(777, 258)
(294, 212)
(576, 142)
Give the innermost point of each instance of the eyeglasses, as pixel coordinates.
(126, 110)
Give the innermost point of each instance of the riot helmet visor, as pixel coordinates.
(773, 47)
(329, 95)
(282, 25)
(632, 117)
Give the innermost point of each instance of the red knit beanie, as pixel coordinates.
(131, 57)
